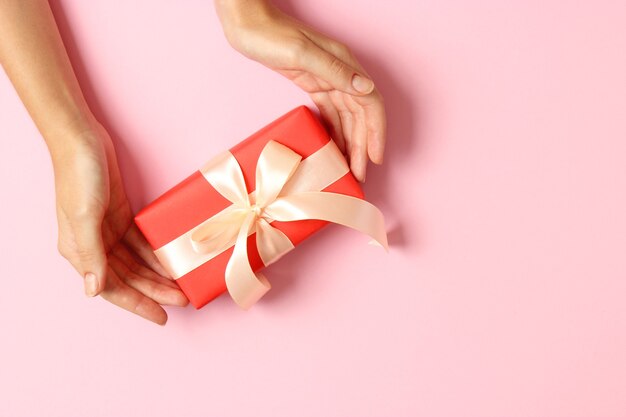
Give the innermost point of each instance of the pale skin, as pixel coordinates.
(96, 233)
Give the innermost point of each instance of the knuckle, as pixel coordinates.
(158, 292)
(137, 306)
(342, 49)
(358, 147)
(296, 51)
(86, 254)
(81, 213)
(337, 66)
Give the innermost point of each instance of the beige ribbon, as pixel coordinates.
(287, 189)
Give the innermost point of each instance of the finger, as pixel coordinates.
(376, 121)
(90, 256)
(330, 115)
(120, 294)
(358, 148)
(335, 71)
(138, 243)
(373, 105)
(129, 260)
(375, 117)
(345, 116)
(161, 293)
(306, 81)
(335, 48)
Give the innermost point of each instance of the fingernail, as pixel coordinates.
(362, 84)
(91, 284)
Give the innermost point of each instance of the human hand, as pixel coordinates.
(96, 230)
(97, 234)
(348, 101)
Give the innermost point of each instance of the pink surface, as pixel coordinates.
(504, 188)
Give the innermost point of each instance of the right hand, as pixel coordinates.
(97, 234)
(326, 69)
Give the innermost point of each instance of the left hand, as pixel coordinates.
(97, 234)
(348, 101)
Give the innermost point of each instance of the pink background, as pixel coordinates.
(504, 189)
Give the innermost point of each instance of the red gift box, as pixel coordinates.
(194, 200)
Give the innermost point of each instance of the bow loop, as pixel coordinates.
(224, 174)
(275, 166)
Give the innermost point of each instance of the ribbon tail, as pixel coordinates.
(244, 285)
(271, 243)
(342, 209)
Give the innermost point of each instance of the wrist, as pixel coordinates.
(65, 139)
(235, 13)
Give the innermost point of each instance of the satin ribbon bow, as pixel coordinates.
(272, 200)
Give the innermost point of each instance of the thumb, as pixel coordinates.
(91, 255)
(340, 75)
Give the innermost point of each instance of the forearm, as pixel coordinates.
(34, 57)
(234, 12)
(240, 6)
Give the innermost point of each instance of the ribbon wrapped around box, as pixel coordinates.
(252, 204)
